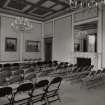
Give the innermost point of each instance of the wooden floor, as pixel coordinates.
(72, 94)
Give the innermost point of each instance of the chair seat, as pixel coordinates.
(4, 101)
(21, 96)
(52, 88)
(38, 92)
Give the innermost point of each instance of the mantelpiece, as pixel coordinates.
(95, 57)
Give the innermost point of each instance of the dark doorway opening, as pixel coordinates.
(48, 48)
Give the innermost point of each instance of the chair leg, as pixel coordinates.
(58, 96)
(30, 102)
(46, 100)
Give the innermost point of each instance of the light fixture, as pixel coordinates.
(75, 4)
(21, 24)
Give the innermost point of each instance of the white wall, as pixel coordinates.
(34, 35)
(62, 42)
(48, 29)
(6, 31)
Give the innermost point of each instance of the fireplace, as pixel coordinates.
(83, 61)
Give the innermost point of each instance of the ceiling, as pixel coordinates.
(41, 10)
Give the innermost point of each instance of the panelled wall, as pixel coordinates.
(61, 29)
(88, 16)
(62, 47)
(8, 32)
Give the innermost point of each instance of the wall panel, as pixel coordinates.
(62, 42)
(7, 31)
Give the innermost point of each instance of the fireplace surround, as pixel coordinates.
(83, 61)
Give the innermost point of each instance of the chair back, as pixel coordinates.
(92, 73)
(103, 71)
(29, 70)
(56, 81)
(5, 91)
(15, 79)
(29, 76)
(25, 87)
(7, 66)
(19, 72)
(15, 66)
(98, 71)
(41, 84)
(2, 81)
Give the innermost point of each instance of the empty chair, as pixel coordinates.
(30, 77)
(89, 81)
(2, 81)
(29, 70)
(15, 79)
(90, 67)
(6, 74)
(15, 66)
(19, 72)
(103, 71)
(7, 66)
(39, 92)
(23, 94)
(6, 96)
(52, 91)
(103, 75)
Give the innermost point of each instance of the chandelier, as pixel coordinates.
(21, 24)
(75, 4)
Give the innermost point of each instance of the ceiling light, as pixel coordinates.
(21, 24)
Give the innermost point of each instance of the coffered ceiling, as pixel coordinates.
(41, 10)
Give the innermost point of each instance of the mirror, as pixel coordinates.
(85, 37)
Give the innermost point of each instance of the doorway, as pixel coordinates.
(48, 48)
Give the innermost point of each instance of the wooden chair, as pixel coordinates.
(22, 96)
(52, 91)
(38, 94)
(6, 96)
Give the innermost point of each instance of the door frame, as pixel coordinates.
(46, 41)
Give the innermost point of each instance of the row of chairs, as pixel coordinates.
(26, 65)
(29, 93)
(24, 73)
(72, 72)
(62, 69)
(94, 79)
(9, 77)
(78, 73)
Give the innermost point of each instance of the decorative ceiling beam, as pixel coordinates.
(9, 12)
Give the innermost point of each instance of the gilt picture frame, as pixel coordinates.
(32, 46)
(10, 44)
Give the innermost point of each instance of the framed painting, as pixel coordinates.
(32, 46)
(10, 44)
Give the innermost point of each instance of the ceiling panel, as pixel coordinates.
(48, 4)
(33, 1)
(32, 8)
(16, 5)
(58, 7)
(40, 11)
(2, 2)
